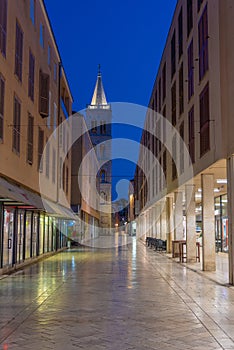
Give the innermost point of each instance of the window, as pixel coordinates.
(182, 147)
(156, 101)
(44, 86)
(164, 123)
(68, 144)
(164, 82)
(165, 165)
(3, 26)
(60, 172)
(64, 137)
(159, 95)
(103, 176)
(16, 126)
(103, 127)
(204, 121)
(189, 16)
(31, 75)
(40, 149)
(47, 158)
(174, 160)
(32, 11)
(67, 180)
(49, 111)
(93, 126)
(173, 104)
(203, 44)
(190, 71)
(159, 135)
(55, 72)
(49, 55)
(64, 175)
(181, 89)
(102, 151)
(55, 117)
(2, 98)
(191, 135)
(42, 35)
(18, 51)
(180, 28)
(53, 165)
(199, 3)
(173, 56)
(30, 139)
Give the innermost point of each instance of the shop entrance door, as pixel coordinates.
(8, 237)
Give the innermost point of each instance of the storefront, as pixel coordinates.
(221, 224)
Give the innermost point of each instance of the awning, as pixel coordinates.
(19, 196)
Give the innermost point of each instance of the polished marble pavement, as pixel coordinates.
(127, 297)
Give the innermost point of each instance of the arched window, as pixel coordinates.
(94, 127)
(103, 176)
(103, 196)
(102, 150)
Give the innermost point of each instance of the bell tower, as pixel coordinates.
(99, 119)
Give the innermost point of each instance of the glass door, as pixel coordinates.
(8, 237)
(20, 236)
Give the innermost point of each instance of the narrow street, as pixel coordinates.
(123, 298)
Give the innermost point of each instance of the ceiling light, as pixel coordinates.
(221, 181)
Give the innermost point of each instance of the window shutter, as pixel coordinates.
(2, 93)
(44, 82)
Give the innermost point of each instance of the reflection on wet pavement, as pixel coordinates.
(127, 297)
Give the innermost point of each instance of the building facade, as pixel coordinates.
(99, 119)
(84, 203)
(181, 198)
(34, 99)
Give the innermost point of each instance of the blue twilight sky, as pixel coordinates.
(126, 37)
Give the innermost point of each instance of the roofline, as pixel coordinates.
(162, 55)
(44, 10)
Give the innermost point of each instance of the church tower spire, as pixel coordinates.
(99, 97)
(99, 121)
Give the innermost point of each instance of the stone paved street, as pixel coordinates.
(123, 298)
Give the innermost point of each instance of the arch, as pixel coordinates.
(103, 176)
